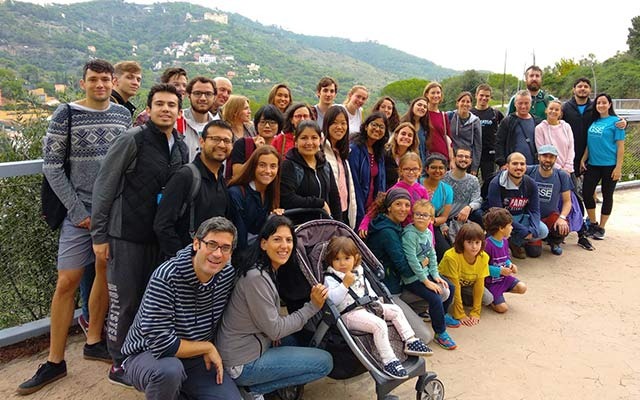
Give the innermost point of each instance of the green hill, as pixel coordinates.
(49, 44)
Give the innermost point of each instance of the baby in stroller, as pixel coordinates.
(361, 310)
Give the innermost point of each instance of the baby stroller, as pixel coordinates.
(354, 352)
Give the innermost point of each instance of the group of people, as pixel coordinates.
(175, 231)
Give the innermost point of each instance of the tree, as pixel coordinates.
(11, 86)
(633, 40)
(405, 91)
(453, 86)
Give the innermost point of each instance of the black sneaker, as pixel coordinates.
(116, 376)
(97, 352)
(598, 232)
(585, 243)
(46, 374)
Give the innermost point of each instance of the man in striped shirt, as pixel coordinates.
(169, 348)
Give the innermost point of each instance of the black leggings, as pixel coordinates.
(592, 176)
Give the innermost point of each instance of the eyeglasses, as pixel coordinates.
(412, 170)
(377, 125)
(463, 156)
(269, 122)
(199, 94)
(421, 215)
(212, 246)
(217, 140)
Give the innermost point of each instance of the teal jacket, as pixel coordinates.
(385, 241)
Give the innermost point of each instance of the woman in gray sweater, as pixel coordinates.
(252, 320)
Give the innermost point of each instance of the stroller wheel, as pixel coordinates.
(433, 389)
(291, 392)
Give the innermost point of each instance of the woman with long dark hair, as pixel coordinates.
(255, 193)
(417, 116)
(252, 320)
(367, 162)
(295, 114)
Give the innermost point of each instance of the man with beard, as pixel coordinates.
(466, 192)
(539, 98)
(518, 193)
(180, 210)
(202, 93)
(554, 191)
(136, 168)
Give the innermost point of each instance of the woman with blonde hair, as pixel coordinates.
(356, 98)
(237, 113)
(402, 140)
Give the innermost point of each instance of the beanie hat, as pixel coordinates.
(395, 194)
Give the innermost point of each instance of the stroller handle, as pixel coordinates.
(293, 212)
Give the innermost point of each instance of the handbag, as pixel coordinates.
(53, 211)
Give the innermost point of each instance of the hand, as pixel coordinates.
(434, 287)
(503, 167)
(85, 223)
(348, 279)
(425, 262)
(275, 343)
(529, 236)
(362, 233)
(319, 294)
(505, 271)
(474, 173)
(101, 251)
(617, 173)
(463, 215)
(441, 282)
(444, 228)
(514, 268)
(212, 357)
(326, 208)
(583, 165)
(465, 321)
(562, 226)
(622, 123)
(258, 140)
(278, 211)
(473, 321)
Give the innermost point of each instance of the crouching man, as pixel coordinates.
(169, 347)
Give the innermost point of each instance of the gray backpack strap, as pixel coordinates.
(195, 189)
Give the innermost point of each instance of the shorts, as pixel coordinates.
(498, 288)
(75, 248)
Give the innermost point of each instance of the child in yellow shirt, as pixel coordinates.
(466, 264)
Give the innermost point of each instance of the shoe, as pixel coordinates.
(84, 324)
(445, 341)
(417, 348)
(451, 322)
(598, 232)
(517, 251)
(395, 370)
(585, 243)
(97, 352)
(556, 249)
(426, 317)
(116, 376)
(46, 374)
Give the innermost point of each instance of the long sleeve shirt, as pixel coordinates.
(461, 273)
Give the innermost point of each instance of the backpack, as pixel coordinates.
(193, 192)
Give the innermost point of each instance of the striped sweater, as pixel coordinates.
(92, 133)
(176, 305)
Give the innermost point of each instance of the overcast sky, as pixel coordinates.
(457, 34)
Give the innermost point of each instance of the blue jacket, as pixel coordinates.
(385, 241)
(361, 174)
(248, 213)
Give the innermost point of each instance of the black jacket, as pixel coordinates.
(312, 189)
(212, 200)
(580, 124)
(505, 141)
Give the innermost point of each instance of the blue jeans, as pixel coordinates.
(170, 378)
(437, 307)
(285, 366)
(518, 235)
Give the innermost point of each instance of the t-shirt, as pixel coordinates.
(550, 189)
(498, 257)
(442, 196)
(489, 119)
(601, 141)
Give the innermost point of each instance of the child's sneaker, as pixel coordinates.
(395, 369)
(445, 341)
(451, 322)
(417, 348)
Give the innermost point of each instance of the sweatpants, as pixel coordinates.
(129, 268)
